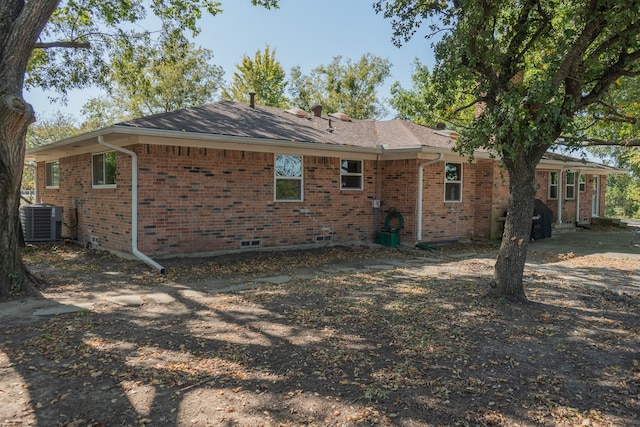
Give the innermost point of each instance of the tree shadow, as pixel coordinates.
(378, 347)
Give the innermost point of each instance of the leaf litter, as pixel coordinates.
(416, 345)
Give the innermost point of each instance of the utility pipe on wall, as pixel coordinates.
(134, 204)
(420, 196)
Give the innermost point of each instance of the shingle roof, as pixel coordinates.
(240, 120)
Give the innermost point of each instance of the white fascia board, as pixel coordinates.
(589, 167)
(261, 145)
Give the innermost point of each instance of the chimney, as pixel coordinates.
(252, 99)
(317, 110)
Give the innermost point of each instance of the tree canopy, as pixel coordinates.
(262, 75)
(349, 87)
(155, 78)
(428, 103)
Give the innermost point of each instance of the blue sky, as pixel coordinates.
(306, 33)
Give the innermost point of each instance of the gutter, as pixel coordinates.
(420, 190)
(134, 204)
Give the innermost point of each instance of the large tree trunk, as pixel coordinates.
(20, 26)
(509, 267)
(15, 117)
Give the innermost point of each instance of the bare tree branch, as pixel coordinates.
(610, 75)
(616, 116)
(68, 44)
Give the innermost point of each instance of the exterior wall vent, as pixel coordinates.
(250, 243)
(41, 222)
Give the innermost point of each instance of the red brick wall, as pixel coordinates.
(201, 200)
(194, 200)
(104, 215)
(446, 221)
(398, 190)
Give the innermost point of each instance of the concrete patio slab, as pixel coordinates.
(126, 300)
(63, 309)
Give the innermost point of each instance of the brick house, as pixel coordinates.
(228, 176)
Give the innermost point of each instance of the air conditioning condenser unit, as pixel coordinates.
(41, 222)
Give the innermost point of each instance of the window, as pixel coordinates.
(288, 178)
(52, 174)
(104, 169)
(453, 182)
(553, 185)
(570, 186)
(351, 174)
(582, 183)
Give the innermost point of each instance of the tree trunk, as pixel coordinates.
(15, 117)
(20, 26)
(509, 268)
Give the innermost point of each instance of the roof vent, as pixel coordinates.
(317, 110)
(252, 99)
(341, 116)
(297, 112)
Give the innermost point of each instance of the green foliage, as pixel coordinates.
(262, 75)
(51, 129)
(350, 88)
(81, 36)
(154, 78)
(623, 196)
(428, 103)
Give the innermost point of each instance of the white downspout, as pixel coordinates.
(560, 195)
(420, 186)
(576, 183)
(134, 204)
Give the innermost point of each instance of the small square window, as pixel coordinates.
(104, 169)
(288, 178)
(52, 174)
(351, 174)
(453, 182)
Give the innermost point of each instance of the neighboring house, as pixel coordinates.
(229, 176)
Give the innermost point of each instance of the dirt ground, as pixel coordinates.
(355, 336)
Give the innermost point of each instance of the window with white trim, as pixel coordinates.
(453, 182)
(52, 174)
(288, 178)
(351, 174)
(582, 183)
(553, 185)
(570, 186)
(104, 169)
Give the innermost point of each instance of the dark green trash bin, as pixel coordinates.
(388, 239)
(390, 235)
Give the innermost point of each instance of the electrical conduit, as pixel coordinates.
(134, 204)
(420, 187)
